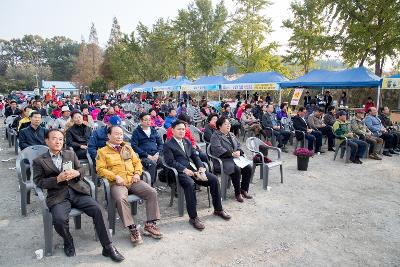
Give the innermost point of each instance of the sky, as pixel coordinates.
(72, 18)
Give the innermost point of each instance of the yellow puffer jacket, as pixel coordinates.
(110, 163)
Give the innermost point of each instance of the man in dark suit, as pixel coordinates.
(300, 124)
(180, 154)
(60, 173)
(268, 122)
(12, 109)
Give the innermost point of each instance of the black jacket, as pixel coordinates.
(257, 112)
(9, 112)
(31, 137)
(176, 158)
(300, 125)
(78, 135)
(208, 132)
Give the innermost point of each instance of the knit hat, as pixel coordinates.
(341, 113)
(115, 120)
(65, 108)
(359, 110)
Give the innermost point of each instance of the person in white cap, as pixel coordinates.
(62, 121)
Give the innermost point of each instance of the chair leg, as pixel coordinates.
(48, 233)
(348, 153)
(281, 169)
(23, 199)
(111, 215)
(208, 195)
(28, 197)
(253, 170)
(78, 222)
(181, 200)
(265, 178)
(224, 185)
(134, 208)
(173, 190)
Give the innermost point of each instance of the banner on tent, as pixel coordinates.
(265, 86)
(210, 87)
(251, 86)
(391, 83)
(296, 96)
(238, 86)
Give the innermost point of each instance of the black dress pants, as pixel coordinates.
(151, 166)
(60, 214)
(188, 184)
(327, 130)
(245, 174)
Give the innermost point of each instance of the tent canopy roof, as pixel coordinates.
(395, 76)
(356, 77)
(60, 85)
(261, 77)
(128, 88)
(206, 80)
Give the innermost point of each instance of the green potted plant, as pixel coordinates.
(303, 157)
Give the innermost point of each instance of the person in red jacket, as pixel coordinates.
(189, 136)
(370, 103)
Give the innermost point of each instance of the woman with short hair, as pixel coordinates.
(226, 146)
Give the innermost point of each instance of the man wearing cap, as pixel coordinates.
(359, 128)
(374, 124)
(341, 129)
(99, 137)
(62, 121)
(77, 136)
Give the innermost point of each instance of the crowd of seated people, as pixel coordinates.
(123, 162)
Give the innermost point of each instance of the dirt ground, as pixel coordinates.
(334, 214)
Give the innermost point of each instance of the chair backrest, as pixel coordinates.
(194, 129)
(30, 153)
(253, 144)
(10, 119)
(162, 132)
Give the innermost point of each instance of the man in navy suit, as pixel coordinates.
(180, 154)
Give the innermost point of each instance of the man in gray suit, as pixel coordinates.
(60, 173)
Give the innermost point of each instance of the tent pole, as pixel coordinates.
(280, 96)
(219, 95)
(378, 97)
(207, 95)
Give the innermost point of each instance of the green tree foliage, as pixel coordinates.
(208, 37)
(368, 30)
(248, 33)
(309, 39)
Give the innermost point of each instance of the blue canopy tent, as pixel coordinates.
(128, 88)
(206, 83)
(344, 79)
(173, 84)
(147, 86)
(325, 79)
(257, 81)
(165, 85)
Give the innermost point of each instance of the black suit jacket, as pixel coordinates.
(45, 176)
(176, 158)
(300, 125)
